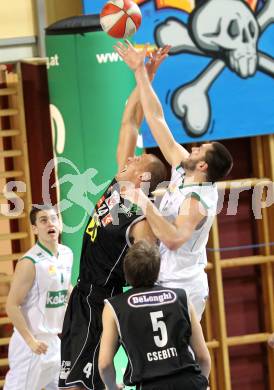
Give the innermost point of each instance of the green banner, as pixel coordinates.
(89, 85)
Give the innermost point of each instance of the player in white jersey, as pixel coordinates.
(184, 266)
(187, 210)
(36, 306)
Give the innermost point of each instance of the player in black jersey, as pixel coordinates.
(111, 229)
(156, 326)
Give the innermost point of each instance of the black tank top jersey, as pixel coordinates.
(106, 240)
(155, 328)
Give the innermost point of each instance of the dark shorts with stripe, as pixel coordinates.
(80, 338)
(184, 380)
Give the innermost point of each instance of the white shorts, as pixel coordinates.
(196, 290)
(29, 371)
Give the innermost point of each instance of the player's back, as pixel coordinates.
(155, 328)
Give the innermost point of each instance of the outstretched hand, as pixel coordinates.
(132, 57)
(135, 58)
(155, 59)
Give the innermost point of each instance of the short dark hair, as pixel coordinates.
(158, 173)
(35, 209)
(142, 264)
(219, 161)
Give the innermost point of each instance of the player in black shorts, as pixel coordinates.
(156, 325)
(111, 229)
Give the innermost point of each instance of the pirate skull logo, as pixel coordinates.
(225, 30)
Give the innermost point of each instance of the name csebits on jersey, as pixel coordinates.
(152, 298)
(162, 354)
(56, 298)
(155, 298)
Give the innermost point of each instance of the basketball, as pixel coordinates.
(120, 18)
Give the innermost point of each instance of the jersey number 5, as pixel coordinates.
(159, 325)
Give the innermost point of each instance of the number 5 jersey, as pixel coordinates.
(154, 329)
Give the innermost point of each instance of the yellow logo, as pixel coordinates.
(52, 270)
(92, 229)
(184, 5)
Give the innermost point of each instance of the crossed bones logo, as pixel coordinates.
(227, 31)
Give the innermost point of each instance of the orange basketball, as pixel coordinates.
(120, 18)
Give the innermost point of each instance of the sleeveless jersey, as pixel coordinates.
(45, 304)
(181, 264)
(154, 329)
(106, 240)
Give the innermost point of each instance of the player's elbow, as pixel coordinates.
(204, 361)
(13, 309)
(174, 242)
(204, 358)
(104, 369)
(104, 364)
(9, 308)
(171, 244)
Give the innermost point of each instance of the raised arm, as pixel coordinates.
(131, 122)
(172, 150)
(134, 115)
(22, 282)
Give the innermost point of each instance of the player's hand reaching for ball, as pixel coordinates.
(132, 57)
(38, 346)
(155, 58)
(135, 58)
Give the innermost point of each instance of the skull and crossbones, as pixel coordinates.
(226, 30)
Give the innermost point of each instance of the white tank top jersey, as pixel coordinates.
(45, 304)
(188, 261)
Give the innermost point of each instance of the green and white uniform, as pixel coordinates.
(43, 309)
(184, 267)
